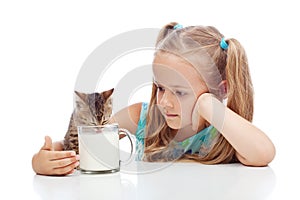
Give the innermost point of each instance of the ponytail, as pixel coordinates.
(239, 84)
(165, 31)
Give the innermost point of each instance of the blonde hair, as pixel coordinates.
(232, 65)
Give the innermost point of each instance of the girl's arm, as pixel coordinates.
(253, 147)
(128, 117)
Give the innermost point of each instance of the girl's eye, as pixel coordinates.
(161, 89)
(179, 93)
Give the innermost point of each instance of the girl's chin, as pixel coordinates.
(173, 124)
(177, 125)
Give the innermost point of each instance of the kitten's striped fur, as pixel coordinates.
(90, 110)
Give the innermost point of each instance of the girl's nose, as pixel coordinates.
(166, 100)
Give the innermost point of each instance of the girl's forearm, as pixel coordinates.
(252, 145)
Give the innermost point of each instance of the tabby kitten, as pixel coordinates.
(90, 110)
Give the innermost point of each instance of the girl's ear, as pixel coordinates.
(223, 88)
(223, 91)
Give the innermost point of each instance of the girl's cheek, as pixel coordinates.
(158, 98)
(187, 105)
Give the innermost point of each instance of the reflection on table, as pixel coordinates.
(142, 180)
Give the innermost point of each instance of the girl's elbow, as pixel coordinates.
(269, 154)
(263, 157)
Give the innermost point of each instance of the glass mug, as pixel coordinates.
(99, 148)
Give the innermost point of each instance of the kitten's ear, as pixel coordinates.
(81, 95)
(108, 93)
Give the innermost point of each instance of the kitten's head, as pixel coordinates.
(94, 108)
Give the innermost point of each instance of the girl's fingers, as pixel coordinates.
(57, 155)
(195, 123)
(63, 162)
(55, 162)
(66, 169)
(195, 117)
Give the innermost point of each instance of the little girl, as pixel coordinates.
(200, 109)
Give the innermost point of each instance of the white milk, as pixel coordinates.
(100, 151)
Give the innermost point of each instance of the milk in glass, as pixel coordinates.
(99, 151)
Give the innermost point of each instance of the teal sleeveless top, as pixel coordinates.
(200, 143)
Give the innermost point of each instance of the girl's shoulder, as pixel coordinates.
(128, 117)
(134, 111)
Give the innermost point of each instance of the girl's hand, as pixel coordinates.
(208, 109)
(197, 119)
(50, 162)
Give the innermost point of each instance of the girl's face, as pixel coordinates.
(178, 87)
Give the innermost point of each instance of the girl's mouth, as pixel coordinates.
(171, 115)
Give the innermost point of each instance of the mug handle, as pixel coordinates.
(128, 134)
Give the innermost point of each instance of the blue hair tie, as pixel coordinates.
(223, 44)
(177, 26)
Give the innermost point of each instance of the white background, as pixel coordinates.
(43, 45)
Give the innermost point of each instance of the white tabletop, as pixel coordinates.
(142, 180)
